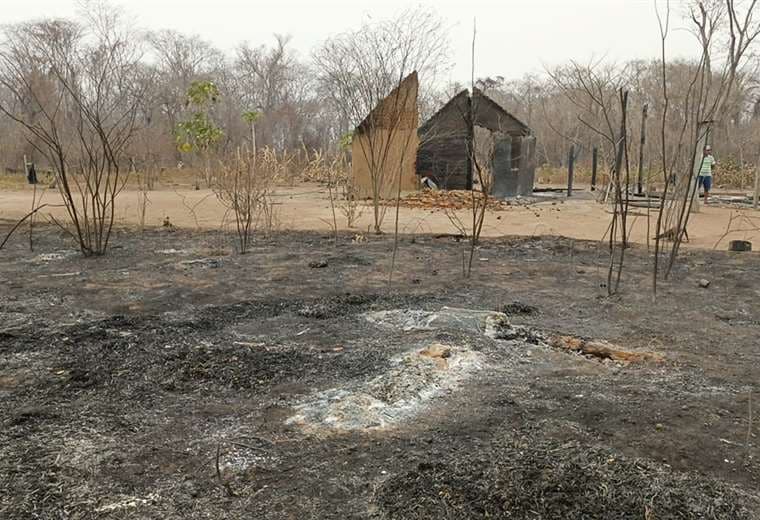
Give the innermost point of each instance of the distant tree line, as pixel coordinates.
(299, 105)
(558, 107)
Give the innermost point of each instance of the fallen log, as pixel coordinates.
(602, 350)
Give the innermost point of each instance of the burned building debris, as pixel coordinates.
(389, 149)
(449, 136)
(384, 146)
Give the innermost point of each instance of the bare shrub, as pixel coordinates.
(317, 167)
(245, 185)
(350, 204)
(334, 173)
(481, 157)
(143, 199)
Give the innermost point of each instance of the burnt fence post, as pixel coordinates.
(642, 146)
(570, 170)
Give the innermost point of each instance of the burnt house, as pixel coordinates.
(448, 136)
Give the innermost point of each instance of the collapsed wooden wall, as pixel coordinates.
(384, 148)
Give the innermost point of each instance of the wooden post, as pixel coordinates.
(757, 183)
(594, 164)
(642, 145)
(570, 168)
(31, 178)
(470, 142)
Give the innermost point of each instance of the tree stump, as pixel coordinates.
(740, 245)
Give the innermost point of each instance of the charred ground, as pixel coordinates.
(157, 382)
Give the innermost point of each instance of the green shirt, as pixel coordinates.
(707, 166)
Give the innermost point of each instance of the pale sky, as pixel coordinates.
(514, 36)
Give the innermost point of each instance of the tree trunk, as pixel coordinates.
(642, 145)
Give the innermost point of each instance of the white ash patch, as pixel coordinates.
(467, 320)
(495, 325)
(128, 502)
(398, 394)
(174, 251)
(404, 319)
(54, 256)
(241, 459)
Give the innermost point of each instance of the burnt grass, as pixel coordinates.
(156, 381)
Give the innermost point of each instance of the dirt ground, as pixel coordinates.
(308, 207)
(172, 379)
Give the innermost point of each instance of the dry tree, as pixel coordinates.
(479, 144)
(591, 92)
(372, 74)
(72, 89)
(479, 200)
(621, 187)
(360, 68)
(144, 185)
(600, 98)
(318, 167)
(727, 31)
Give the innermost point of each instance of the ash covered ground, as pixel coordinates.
(172, 379)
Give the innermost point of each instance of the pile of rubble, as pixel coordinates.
(448, 199)
(496, 325)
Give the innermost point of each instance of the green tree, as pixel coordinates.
(199, 134)
(250, 117)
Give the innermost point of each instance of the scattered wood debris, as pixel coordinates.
(602, 350)
(447, 199)
(439, 354)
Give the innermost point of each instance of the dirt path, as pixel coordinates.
(308, 208)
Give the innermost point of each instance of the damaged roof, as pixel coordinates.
(463, 98)
(381, 113)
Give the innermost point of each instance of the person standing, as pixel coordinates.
(706, 171)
